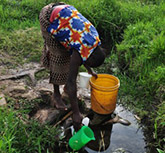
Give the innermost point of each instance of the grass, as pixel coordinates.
(42, 75)
(159, 123)
(133, 31)
(19, 134)
(22, 46)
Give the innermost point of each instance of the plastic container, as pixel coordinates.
(84, 79)
(81, 138)
(104, 91)
(85, 121)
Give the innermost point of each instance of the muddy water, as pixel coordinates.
(127, 139)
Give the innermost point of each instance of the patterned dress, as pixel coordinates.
(73, 30)
(68, 30)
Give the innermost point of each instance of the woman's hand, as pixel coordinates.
(94, 74)
(90, 71)
(77, 121)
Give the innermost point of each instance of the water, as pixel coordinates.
(111, 137)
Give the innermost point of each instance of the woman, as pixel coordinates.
(70, 40)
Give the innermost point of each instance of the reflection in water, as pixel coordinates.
(108, 139)
(102, 135)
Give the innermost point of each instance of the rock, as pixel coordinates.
(45, 91)
(46, 115)
(120, 150)
(83, 93)
(30, 95)
(45, 94)
(87, 103)
(2, 100)
(20, 89)
(65, 97)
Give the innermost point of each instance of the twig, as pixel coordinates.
(64, 118)
(102, 138)
(137, 117)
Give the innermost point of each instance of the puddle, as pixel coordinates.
(111, 138)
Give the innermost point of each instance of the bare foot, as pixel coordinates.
(58, 103)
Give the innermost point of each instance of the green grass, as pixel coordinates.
(141, 56)
(18, 134)
(42, 74)
(135, 36)
(160, 124)
(20, 14)
(22, 46)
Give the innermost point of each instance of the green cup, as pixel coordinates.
(81, 138)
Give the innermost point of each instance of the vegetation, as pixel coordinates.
(132, 31)
(21, 135)
(21, 46)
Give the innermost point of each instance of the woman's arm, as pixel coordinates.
(90, 71)
(71, 88)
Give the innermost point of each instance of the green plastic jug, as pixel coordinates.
(81, 138)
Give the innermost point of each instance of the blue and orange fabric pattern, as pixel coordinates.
(73, 30)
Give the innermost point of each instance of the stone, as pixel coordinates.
(45, 94)
(21, 91)
(30, 95)
(17, 89)
(83, 93)
(2, 100)
(46, 115)
(45, 91)
(120, 150)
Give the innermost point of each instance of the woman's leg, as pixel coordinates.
(56, 99)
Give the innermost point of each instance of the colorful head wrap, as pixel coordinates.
(73, 30)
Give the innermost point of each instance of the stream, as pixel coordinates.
(118, 138)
